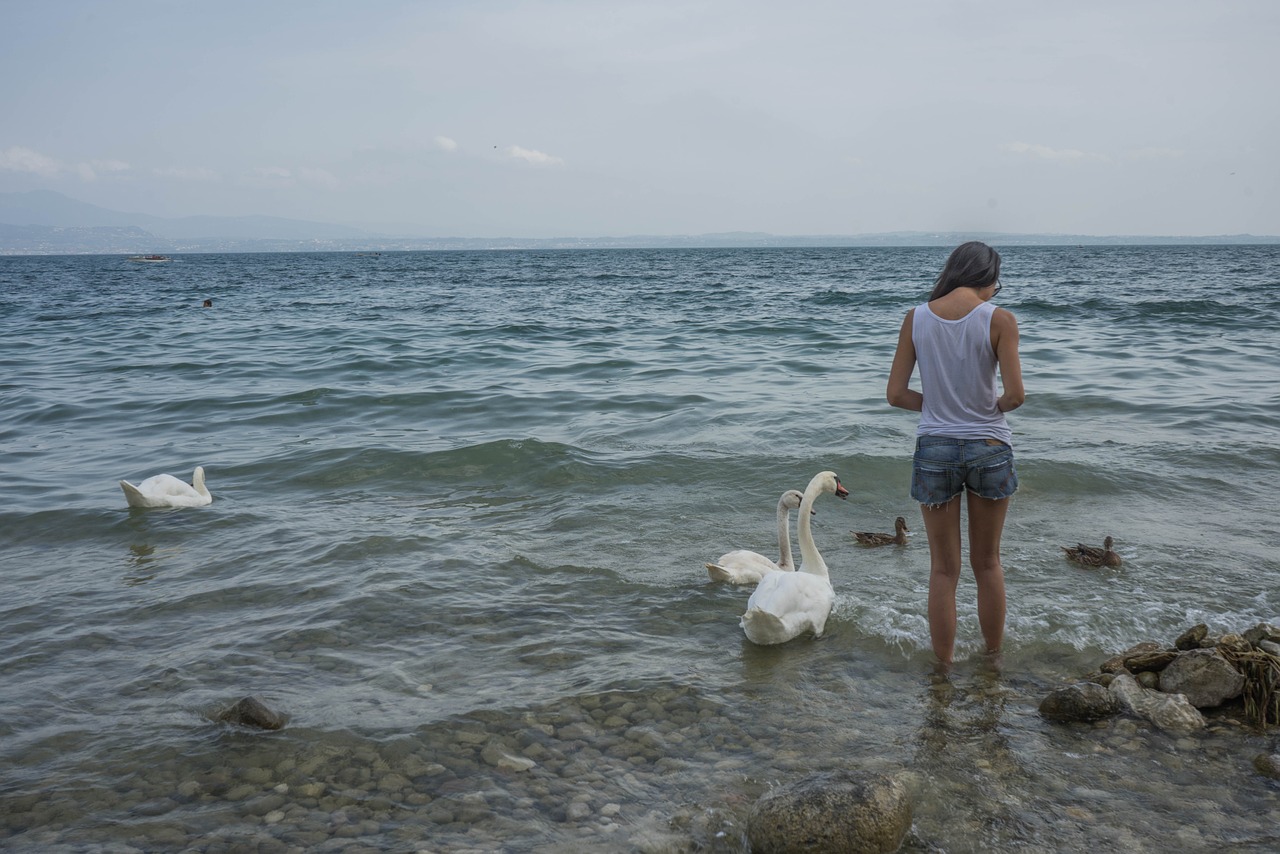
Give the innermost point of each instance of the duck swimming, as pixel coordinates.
(898, 538)
(1092, 555)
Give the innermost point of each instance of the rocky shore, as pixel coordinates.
(1170, 686)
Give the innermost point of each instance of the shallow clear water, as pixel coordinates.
(462, 503)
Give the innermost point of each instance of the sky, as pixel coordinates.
(591, 119)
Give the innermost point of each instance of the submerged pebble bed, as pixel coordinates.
(658, 770)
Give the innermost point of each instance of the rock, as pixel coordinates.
(1261, 632)
(1268, 765)
(839, 811)
(1145, 661)
(1169, 712)
(1269, 647)
(1115, 664)
(499, 758)
(1148, 679)
(253, 712)
(1083, 701)
(1204, 676)
(1190, 639)
(1232, 642)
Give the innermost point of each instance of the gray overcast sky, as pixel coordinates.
(575, 118)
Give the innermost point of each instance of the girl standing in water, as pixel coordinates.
(963, 442)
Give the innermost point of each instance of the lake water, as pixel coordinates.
(462, 503)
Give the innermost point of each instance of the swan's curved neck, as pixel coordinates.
(784, 535)
(810, 561)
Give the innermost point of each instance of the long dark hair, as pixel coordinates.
(971, 265)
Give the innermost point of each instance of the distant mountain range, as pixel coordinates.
(43, 222)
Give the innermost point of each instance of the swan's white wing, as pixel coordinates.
(781, 593)
(796, 602)
(133, 495)
(166, 485)
(741, 567)
(163, 490)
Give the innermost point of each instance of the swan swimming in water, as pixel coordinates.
(787, 604)
(743, 566)
(165, 490)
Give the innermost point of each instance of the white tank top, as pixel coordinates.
(958, 375)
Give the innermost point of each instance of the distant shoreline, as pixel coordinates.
(50, 240)
(43, 222)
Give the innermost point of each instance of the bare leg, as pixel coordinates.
(943, 527)
(986, 524)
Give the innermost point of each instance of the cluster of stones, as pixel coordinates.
(1168, 686)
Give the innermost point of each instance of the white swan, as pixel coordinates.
(743, 566)
(787, 604)
(165, 490)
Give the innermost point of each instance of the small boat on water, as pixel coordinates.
(152, 259)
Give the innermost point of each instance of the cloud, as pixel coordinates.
(110, 166)
(1044, 152)
(93, 169)
(320, 177)
(19, 159)
(197, 174)
(276, 177)
(1155, 153)
(446, 144)
(537, 158)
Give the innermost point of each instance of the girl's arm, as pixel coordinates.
(1004, 338)
(904, 364)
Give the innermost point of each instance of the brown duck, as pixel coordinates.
(1092, 555)
(898, 538)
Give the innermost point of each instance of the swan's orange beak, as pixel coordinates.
(841, 492)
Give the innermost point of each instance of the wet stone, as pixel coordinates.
(1263, 632)
(1083, 701)
(1232, 642)
(1204, 677)
(1115, 664)
(267, 803)
(1191, 638)
(832, 812)
(1268, 765)
(252, 712)
(1170, 712)
(259, 776)
(1145, 661)
(393, 782)
(577, 730)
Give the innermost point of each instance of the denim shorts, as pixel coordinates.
(944, 467)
